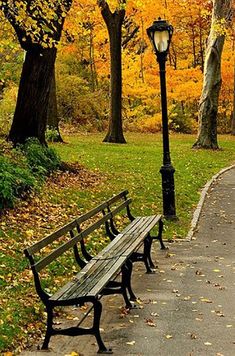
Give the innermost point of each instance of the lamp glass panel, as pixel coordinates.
(161, 39)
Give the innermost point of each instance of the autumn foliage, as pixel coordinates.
(83, 73)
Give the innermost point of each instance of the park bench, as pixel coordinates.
(97, 274)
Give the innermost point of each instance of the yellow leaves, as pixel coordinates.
(29, 233)
(205, 300)
(150, 322)
(38, 19)
(220, 27)
(168, 337)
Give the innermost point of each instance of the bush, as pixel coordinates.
(81, 107)
(23, 169)
(42, 160)
(15, 181)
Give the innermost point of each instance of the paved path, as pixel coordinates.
(188, 306)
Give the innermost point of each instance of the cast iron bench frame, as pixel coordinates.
(97, 275)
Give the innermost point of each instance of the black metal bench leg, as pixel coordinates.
(128, 281)
(125, 282)
(49, 331)
(147, 254)
(150, 241)
(159, 237)
(96, 328)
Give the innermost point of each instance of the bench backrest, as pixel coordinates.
(73, 234)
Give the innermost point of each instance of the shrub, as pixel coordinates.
(52, 135)
(151, 124)
(23, 169)
(15, 181)
(81, 107)
(42, 160)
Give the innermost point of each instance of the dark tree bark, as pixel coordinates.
(208, 106)
(114, 23)
(52, 111)
(30, 118)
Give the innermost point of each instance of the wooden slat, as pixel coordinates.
(117, 197)
(110, 250)
(101, 207)
(94, 277)
(63, 248)
(71, 225)
(131, 242)
(102, 282)
(120, 207)
(50, 238)
(91, 213)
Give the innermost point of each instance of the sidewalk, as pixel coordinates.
(188, 306)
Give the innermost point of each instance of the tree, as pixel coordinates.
(233, 111)
(208, 106)
(38, 26)
(52, 111)
(114, 21)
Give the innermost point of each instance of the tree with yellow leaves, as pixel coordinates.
(114, 21)
(38, 26)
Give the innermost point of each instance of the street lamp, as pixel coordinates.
(160, 34)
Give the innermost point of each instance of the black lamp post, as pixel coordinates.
(160, 34)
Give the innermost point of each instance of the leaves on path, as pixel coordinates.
(150, 322)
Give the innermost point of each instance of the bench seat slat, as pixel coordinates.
(129, 243)
(50, 238)
(110, 259)
(67, 245)
(101, 255)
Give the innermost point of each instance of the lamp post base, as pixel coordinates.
(168, 192)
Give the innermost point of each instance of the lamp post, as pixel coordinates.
(160, 34)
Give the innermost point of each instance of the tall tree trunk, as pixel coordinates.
(52, 111)
(208, 106)
(30, 116)
(114, 23)
(233, 112)
(201, 48)
(38, 37)
(142, 51)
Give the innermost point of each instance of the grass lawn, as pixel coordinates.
(134, 166)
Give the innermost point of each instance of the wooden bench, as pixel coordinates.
(97, 274)
(121, 203)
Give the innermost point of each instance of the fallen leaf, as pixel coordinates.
(175, 291)
(187, 298)
(205, 300)
(150, 322)
(193, 336)
(154, 314)
(169, 336)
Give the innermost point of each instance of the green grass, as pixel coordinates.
(135, 167)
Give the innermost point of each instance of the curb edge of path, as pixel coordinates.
(197, 212)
